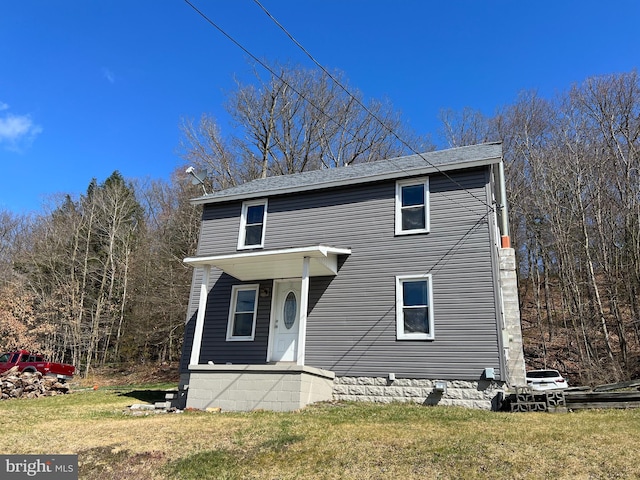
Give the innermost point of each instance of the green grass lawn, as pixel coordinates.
(327, 441)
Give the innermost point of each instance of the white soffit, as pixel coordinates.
(268, 264)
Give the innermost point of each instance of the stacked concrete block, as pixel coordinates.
(527, 400)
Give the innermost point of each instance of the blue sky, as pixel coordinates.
(92, 86)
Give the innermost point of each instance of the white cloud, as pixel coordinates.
(109, 75)
(17, 131)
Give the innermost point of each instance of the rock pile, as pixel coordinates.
(14, 384)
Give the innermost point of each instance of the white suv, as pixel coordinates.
(546, 380)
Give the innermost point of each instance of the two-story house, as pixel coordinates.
(384, 281)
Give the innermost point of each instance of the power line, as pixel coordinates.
(366, 109)
(339, 84)
(256, 59)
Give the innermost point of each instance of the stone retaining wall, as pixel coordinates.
(482, 394)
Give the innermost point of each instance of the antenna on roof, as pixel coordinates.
(198, 178)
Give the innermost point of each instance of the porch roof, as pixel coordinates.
(280, 263)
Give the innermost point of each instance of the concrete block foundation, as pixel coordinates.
(291, 387)
(255, 387)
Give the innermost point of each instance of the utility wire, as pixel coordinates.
(366, 109)
(369, 112)
(256, 59)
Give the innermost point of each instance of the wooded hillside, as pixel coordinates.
(99, 279)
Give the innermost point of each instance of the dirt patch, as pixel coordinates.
(109, 462)
(130, 374)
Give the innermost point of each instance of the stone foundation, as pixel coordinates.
(483, 394)
(278, 388)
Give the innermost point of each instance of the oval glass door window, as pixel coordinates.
(290, 309)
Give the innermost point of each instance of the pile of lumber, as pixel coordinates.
(14, 384)
(612, 395)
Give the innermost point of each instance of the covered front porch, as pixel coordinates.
(281, 381)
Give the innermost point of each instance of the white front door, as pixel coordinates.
(285, 321)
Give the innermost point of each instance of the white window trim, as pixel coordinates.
(243, 224)
(427, 221)
(400, 333)
(232, 312)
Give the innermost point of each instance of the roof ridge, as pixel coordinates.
(391, 168)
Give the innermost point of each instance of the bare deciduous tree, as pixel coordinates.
(296, 120)
(573, 179)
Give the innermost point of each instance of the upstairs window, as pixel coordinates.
(252, 224)
(242, 313)
(414, 312)
(412, 206)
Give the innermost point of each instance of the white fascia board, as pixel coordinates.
(281, 263)
(313, 251)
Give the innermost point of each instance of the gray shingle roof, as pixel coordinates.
(411, 165)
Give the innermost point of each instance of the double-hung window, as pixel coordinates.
(414, 311)
(252, 224)
(412, 206)
(243, 312)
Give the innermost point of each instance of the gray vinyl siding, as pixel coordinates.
(215, 347)
(220, 228)
(351, 326)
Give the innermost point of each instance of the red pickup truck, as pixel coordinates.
(31, 362)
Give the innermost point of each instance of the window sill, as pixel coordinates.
(415, 337)
(411, 232)
(251, 247)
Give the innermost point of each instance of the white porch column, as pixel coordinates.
(304, 305)
(202, 306)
